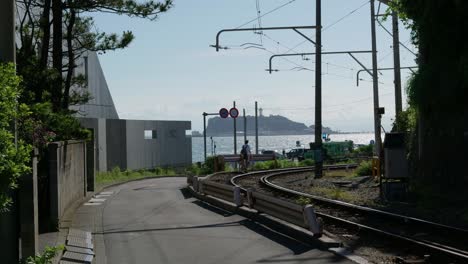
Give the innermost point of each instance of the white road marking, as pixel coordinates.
(95, 200)
(92, 203)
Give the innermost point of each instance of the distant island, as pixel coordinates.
(267, 125)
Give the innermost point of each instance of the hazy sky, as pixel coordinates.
(170, 73)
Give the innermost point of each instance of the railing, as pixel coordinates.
(254, 157)
(303, 216)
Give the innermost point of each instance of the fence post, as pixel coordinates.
(29, 223)
(250, 199)
(237, 196)
(200, 186)
(195, 183)
(310, 219)
(54, 184)
(90, 164)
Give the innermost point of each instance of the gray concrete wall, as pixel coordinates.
(67, 174)
(171, 147)
(98, 125)
(116, 144)
(101, 105)
(121, 143)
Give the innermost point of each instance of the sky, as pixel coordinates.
(170, 72)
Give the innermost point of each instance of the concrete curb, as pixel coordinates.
(279, 225)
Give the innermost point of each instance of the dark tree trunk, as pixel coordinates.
(71, 59)
(45, 43)
(57, 53)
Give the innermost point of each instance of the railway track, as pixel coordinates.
(443, 243)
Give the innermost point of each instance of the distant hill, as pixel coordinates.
(267, 125)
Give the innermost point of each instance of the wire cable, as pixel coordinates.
(334, 23)
(267, 13)
(390, 33)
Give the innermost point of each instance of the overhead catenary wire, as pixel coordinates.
(333, 23)
(267, 13)
(259, 16)
(390, 33)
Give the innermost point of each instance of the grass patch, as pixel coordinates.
(274, 164)
(117, 176)
(336, 194)
(339, 173)
(364, 169)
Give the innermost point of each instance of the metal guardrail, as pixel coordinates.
(283, 210)
(225, 192)
(254, 157)
(303, 216)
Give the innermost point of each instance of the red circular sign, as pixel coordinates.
(234, 113)
(223, 113)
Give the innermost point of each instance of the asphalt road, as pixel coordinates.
(154, 221)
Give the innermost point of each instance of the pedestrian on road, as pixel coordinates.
(245, 156)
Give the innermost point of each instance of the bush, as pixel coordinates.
(364, 169)
(46, 257)
(366, 150)
(306, 162)
(274, 164)
(14, 160)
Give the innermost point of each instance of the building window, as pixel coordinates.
(86, 69)
(151, 134)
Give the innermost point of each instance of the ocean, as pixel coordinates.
(225, 145)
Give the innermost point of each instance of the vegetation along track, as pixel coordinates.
(444, 244)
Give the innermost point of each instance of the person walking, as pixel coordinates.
(245, 156)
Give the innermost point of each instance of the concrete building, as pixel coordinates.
(128, 144)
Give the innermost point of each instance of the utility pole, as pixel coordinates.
(235, 130)
(378, 139)
(256, 127)
(204, 133)
(396, 65)
(318, 90)
(245, 125)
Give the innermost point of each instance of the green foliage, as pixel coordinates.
(306, 162)
(274, 164)
(406, 121)
(437, 93)
(366, 150)
(46, 257)
(364, 169)
(116, 175)
(302, 200)
(14, 160)
(209, 166)
(193, 169)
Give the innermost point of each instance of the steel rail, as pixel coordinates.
(403, 218)
(284, 170)
(433, 246)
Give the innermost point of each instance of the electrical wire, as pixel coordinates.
(267, 13)
(334, 23)
(390, 33)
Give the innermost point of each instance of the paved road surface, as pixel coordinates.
(152, 221)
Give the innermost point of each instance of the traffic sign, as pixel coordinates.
(234, 112)
(223, 113)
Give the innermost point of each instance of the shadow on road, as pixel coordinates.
(213, 209)
(235, 223)
(186, 193)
